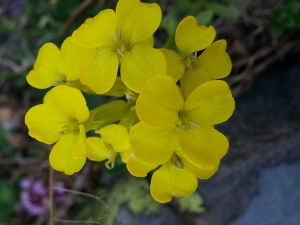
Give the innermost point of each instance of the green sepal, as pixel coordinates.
(107, 114)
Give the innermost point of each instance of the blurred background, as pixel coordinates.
(258, 181)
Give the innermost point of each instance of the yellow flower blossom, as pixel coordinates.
(171, 180)
(176, 177)
(123, 37)
(213, 63)
(54, 66)
(169, 120)
(134, 165)
(59, 119)
(114, 139)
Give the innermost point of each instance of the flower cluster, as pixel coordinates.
(173, 100)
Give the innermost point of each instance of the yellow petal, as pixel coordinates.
(140, 64)
(175, 66)
(149, 41)
(48, 69)
(196, 77)
(118, 89)
(49, 56)
(153, 146)
(125, 156)
(159, 102)
(169, 180)
(44, 122)
(125, 8)
(116, 136)
(204, 146)
(184, 78)
(97, 151)
(215, 60)
(139, 23)
(211, 103)
(69, 101)
(100, 31)
(198, 172)
(190, 37)
(71, 53)
(137, 168)
(69, 153)
(98, 70)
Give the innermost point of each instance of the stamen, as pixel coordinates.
(176, 161)
(120, 52)
(178, 164)
(185, 124)
(131, 45)
(110, 163)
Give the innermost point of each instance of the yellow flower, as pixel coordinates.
(177, 177)
(213, 63)
(114, 139)
(170, 180)
(123, 37)
(60, 120)
(134, 165)
(54, 66)
(168, 120)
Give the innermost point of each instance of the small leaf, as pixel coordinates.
(205, 17)
(169, 23)
(278, 31)
(192, 203)
(224, 11)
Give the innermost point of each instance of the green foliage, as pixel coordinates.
(223, 11)
(286, 18)
(138, 196)
(205, 17)
(131, 191)
(5, 147)
(8, 196)
(191, 204)
(204, 11)
(169, 24)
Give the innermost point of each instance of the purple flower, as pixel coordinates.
(35, 195)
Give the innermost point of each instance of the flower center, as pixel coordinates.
(183, 123)
(72, 126)
(175, 161)
(190, 61)
(131, 96)
(122, 47)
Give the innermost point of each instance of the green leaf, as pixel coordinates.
(8, 198)
(205, 17)
(223, 11)
(169, 23)
(278, 31)
(192, 203)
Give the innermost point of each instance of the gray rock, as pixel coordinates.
(165, 216)
(278, 199)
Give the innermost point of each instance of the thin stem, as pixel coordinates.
(90, 196)
(51, 194)
(79, 221)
